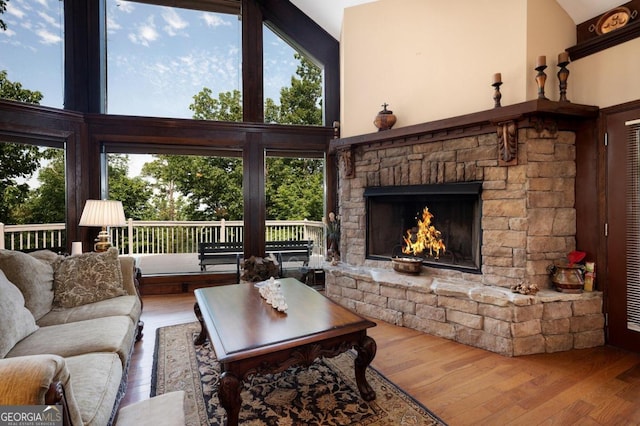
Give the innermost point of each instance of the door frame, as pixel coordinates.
(615, 171)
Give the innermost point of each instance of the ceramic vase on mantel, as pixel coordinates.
(385, 118)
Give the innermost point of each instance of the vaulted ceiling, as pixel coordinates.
(328, 13)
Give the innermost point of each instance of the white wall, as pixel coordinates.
(431, 59)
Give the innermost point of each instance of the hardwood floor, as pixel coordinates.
(461, 384)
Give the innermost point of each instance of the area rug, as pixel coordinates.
(323, 394)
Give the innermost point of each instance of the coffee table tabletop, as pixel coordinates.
(241, 324)
(250, 337)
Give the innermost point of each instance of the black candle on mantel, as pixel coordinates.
(385, 118)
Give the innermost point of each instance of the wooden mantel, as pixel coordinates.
(470, 124)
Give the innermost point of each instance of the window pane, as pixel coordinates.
(159, 58)
(176, 202)
(32, 196)
(32, 48)
(293, 84)
(295, 205)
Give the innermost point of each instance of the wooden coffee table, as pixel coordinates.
(251, 337)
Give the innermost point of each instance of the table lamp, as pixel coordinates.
(103, 213)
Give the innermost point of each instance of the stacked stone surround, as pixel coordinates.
(528, 222)
(491, 318)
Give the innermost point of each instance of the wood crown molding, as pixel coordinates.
(593, 37)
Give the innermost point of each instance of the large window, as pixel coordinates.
(159, 58)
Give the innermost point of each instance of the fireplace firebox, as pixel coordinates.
(456, 210)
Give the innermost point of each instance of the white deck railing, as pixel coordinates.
(31, 237)
(163, 237)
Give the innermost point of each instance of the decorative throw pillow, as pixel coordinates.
(47, 256)
(33, 277)
(87, 278)
(16, 322)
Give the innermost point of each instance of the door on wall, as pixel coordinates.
(623, 218)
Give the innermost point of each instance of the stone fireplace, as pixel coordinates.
(514, 177)
(393, 211)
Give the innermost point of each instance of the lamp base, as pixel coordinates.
(103, 242)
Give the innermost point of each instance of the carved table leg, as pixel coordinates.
(202, 337)
(229, 394)
(366, 351)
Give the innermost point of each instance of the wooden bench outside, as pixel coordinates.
(232, 252)
(220, 254)
(290, 251)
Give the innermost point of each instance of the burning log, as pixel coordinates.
(424, 237)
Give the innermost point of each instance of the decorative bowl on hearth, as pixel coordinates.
(407, 265)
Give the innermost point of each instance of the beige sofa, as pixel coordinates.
(67, 330)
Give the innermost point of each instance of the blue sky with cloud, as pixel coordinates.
(158, 58)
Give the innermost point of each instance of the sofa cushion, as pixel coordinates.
(87, 278)
(166, 410)
(96, 380)
(108, 334)
(47, 256)
(16, 322)
(117, 306)
(33, 277)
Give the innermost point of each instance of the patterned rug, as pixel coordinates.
(323, 394)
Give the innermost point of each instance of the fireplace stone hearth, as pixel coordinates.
(487, 317)
(528, 220)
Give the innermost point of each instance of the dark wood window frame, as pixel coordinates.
(85, 83)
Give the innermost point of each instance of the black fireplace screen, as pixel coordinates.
(456, 210)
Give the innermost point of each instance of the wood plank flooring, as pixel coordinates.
(461, 384)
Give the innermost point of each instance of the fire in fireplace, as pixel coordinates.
(456, 210)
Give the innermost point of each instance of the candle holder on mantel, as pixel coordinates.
(385, 118)
(541, 77)
(497, 82)
(563, 75)
(496, 94)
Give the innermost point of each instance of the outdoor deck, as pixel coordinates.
(185, 263)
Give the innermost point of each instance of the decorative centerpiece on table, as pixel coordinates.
(332, 226)
(271, 291)
(424, 238)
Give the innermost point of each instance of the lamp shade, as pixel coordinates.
(103, 213)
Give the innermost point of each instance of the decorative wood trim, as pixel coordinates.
(346, 162)
(546, 128)
(470, 124)
(56, 395)
(592, 28)
(590, 41)
(507, 143)
(604, 41)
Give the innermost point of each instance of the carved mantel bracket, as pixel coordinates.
(507, 143)
(346, 162)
